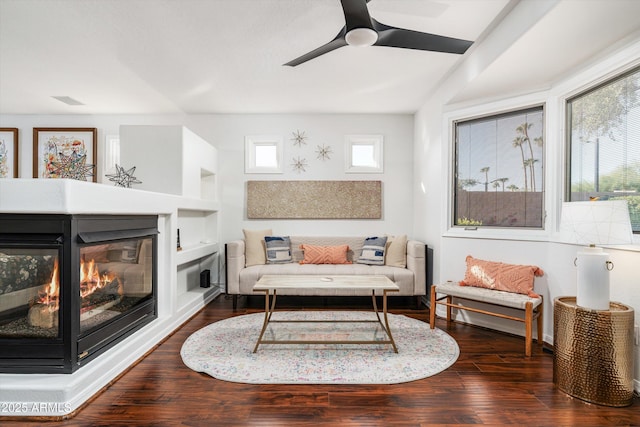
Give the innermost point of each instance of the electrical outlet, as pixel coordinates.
(637, 334)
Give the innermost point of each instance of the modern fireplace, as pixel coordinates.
(72, 286)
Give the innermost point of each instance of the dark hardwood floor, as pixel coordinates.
(492, 383)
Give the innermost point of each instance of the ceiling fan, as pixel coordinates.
(362, 30)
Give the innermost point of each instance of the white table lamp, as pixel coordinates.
(595, 223)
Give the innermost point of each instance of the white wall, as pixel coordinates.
(228, 132)
(432, 182)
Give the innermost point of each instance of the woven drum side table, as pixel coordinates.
(593, 355)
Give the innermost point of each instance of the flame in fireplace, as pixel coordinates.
(50, 296)
(90, 281)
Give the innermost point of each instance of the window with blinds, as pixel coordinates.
(603, 134)
(499, 164)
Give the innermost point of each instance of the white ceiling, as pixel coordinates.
(226, 56)
(572, 34)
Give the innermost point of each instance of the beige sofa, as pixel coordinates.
(240, 279)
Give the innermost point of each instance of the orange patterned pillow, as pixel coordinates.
(325, 254)
(501, 276)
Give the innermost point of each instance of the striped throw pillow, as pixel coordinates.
(373, 251)
(278, 249)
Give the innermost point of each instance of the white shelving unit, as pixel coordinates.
(174, 160)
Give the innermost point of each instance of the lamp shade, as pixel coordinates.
(596, 223)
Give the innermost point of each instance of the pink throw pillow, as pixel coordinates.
(500, 276)
(325, 254)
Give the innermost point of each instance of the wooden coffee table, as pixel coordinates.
(270, 284)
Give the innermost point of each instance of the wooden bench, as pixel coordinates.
(532, 307)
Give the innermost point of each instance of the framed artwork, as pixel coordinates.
(65, 153)
(8, 152)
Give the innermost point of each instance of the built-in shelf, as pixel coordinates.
(202, 205)
(197, 297)
(195, 252)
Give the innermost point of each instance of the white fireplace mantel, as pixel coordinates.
(61, 394)
(68, 196)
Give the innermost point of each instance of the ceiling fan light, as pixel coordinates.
(361, 37)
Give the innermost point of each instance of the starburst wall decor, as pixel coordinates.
(73, 166)
(299, 138)
(299, 165)
(123, 178)
(324, 152)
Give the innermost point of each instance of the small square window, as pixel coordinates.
(363, 154)
(263, 154)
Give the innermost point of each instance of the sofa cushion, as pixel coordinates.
(373, 251)
(395, 254)
(325, 254)
(278, 249)
(255, 250)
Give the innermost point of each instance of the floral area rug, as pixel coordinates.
(224, 350)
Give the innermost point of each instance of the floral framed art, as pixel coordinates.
(8, 152)
(65, 153)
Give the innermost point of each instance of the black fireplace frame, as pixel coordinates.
(68, 234)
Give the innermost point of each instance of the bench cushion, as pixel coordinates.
(507, 299)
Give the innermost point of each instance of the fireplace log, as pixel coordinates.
(109, 292)
(41, 316)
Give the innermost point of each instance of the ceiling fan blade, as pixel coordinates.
(356, 14)
(338, 42)
(409, 39)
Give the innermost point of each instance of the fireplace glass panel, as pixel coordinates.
(29, 292)
(114, 278)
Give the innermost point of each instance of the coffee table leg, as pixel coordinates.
(386, 320)
(267, 315)
(384, 325)
(375, 306)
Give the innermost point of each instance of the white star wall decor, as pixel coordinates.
(324, 152)
(299, 138)
(299, 165)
